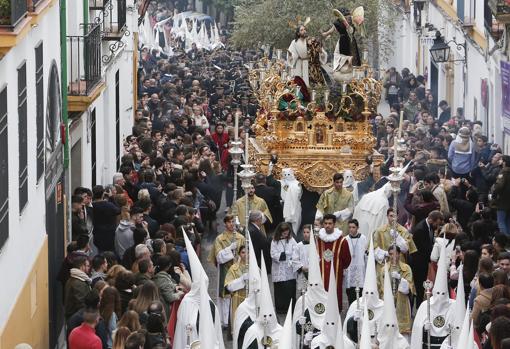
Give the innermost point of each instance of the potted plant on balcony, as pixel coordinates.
(5, 12)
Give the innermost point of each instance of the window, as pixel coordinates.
(93, 145)
(460, 10)
(22, 136)
(39, 97)
(117, 120)
(4, 170)
(487, 15)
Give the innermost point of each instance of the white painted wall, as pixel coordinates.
(105, 111)
(26, 232)
(479, 67)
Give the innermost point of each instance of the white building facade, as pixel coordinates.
(472, 79)
(67, 92)
(103, 116)
(32, 181)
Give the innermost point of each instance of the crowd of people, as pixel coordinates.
(133, 274)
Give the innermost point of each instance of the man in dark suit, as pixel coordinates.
(423, 236)
(271, 195)
(259, 239)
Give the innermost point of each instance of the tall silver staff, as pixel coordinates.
(358, 309)
(302, 339)
(396, 178)
(246, 176)
(235, 153)
(188, 329)
(428, 325)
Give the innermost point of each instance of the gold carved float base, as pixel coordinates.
(314, 170)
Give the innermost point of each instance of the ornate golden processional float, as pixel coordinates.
(329, 133)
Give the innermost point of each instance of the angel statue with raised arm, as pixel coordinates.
(346, 49)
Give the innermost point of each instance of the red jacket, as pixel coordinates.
(84, 337)
(220, 140)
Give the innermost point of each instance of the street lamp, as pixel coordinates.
(440, 50)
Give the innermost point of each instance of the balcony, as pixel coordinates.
(114, 20)
(501, 10)
(12, 12)
(32, 5)
(98, 4)
(84, 68)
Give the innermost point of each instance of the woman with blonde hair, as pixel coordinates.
(445, 237)
(110, 310)
(112, 274)
(147, 293)
(120, 337)
(131, 320)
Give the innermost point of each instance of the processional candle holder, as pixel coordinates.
(246, 176)
(235, 153)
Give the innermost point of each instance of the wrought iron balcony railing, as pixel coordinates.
(84, 61)
(12, 12)
(114, 20)
(501, 10)
(98, 4)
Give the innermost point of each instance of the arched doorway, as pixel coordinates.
(54, 185)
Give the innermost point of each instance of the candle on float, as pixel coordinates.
(314, 93)
(395, 152)
(246, 148)
(279, 54)
(236, 127)
(365, 56)
(400, 124)
(326, 96)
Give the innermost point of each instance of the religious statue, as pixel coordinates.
(306, 56)
(346, 26)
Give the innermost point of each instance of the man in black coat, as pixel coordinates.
(259, 239)
(271, 195)
(423, 237)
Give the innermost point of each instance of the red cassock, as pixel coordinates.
(336, 253)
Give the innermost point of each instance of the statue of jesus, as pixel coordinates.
(299, 56)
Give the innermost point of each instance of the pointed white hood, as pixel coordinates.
(365, 340)
(370, 292)
(197, 270)
(194, 32)
(388, 328)
(332, 318)
(217, 38)
(253, 272)
(459, 309)
(267, 312)
(286, 333)
(464, 333)
(248, 307)
(207, 332)
(339, 343)
(471, 338)
(315, 292)
(440, 295)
